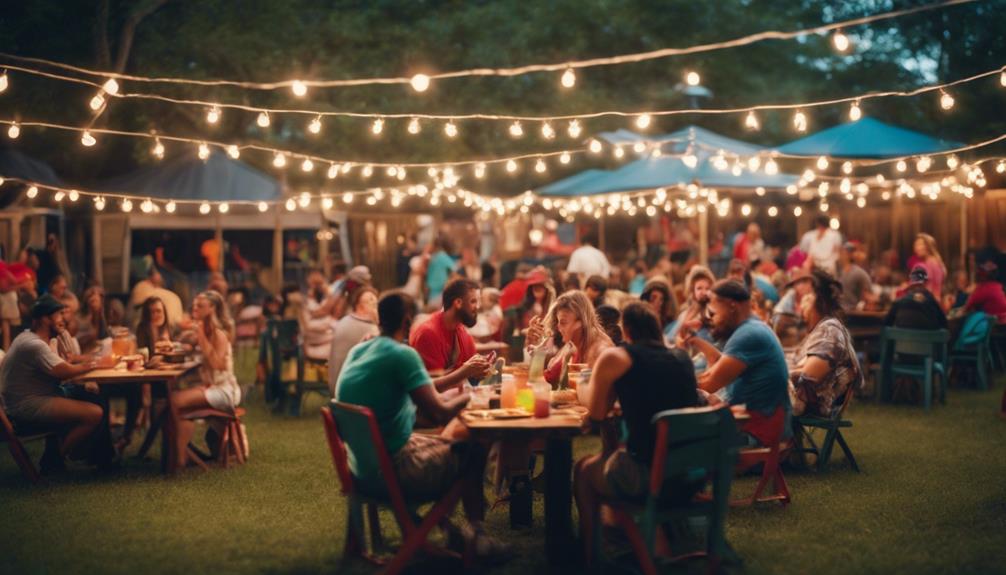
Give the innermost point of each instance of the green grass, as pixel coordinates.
(931, 499)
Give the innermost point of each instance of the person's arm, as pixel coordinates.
(64, 370)
(704, 347)
(721, 374)
(215, 351)
(431, 404)
(475, 367)
(611, 365)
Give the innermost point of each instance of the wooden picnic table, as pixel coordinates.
(165, 376)
(557, 431)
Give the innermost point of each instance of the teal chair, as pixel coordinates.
(974, 346)
(919, 354)
(281, 343)
(805, 425)
(693, 445)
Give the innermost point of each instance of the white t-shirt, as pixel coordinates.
(589, 261)
(26, 371)
(349, 331)
(822, 249)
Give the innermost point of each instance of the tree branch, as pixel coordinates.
(102, 52)
(128, 31)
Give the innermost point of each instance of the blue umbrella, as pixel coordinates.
(866, 138)
(14, 164)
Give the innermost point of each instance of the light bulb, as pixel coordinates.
(516, 130)
(204, 208)
(146, 206)
(574, 129)
(861, 202)
(823, 206)
(170, 207)
(619, 152)
(401, 173)
(547, 131)
(347, 198)
(771, 168)
(564, 158)
(690, 160)
(224, 208)
(568, 79)
(754, 162)
(692, 78)
(291, 205)
(834, 223)
(263, 120)
(307, 165)
(13, 131)
(74, 195)
(759, 191)
(946, 100)
(111, 86)
(746, 210)
(595, 146)
(855, 113)
(643, 121)
(511, 166)
(326, 203)
(391, 171)
(3, 81)
(450, 129)
(315, 126)
(213, 115)
(333, 171)
(367, 171)
(158, 149)
(846, 168)
(952, 162)
(901, 166)
(540, 166)
(800, 121)
(377, 127)
(420, 82)
(233, 151)
(126, 205)
(204, 151)
(97, 102)
(414, 126)
(262, 206)
(32, 192)
(822, 163)
(797, 211)
(751, 121)
(840, 41)
(298, 88)
(87, 139)
(1002, 79)
(480, 170)
(279, 160)
(1001, 166)
(99, 203)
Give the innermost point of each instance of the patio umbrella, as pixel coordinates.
(866, 138)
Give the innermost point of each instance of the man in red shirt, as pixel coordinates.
(988, 295)
(443, 341)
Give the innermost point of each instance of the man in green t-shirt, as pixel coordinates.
(389, 377)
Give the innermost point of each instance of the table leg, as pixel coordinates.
(169, 450)
(558, 498)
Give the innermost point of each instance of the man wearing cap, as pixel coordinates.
(30, 377)
(342, 288)
(916, 308)
(752, 366)
(856, 283)
(988, 295)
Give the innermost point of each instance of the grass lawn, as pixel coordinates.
(931, 499)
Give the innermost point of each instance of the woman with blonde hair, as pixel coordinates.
(92, 325)
(219, 389)
(927, 254)
(578, 333)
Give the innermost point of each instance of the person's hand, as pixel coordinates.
(91, 387)
(476, 367)
(535, 332)
(105, 362)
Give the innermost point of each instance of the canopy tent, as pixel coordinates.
(15, 164)
(186, 177)
(570, 186)
(20, 223)
(866, 138)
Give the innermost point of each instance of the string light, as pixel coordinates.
(511, 166)
(690, 159)
(367, 171)
(450, 129)
(797, 211)
(595, 146)
(840, 41)
(327, 203)
(213, 115)
(414, 126)
(74, 194)
(751, 121)
(420, 82)
(861, 202)
(87, 140)
(204, 208)
(619, 152)
(564, 158)
(1002, 79)
(952, 162)
(846, 168)
(170, 207)
(759, 191)
(773, 211)
(99, 203)
(333, 171)
(126, 205)
(110, 86)
(639, 147)
(901, 166)
(315, 126)
(224, 208)
(822, 163)
(855, 113)
(279, 160)
(291, 205)
(158, 150)
(516, 130)
(480, 170)
(307, 165)
(32, 192)
(4, 82)
(692, 78)
(547, 131)
(568, 79)
(233, 151)
(146, 206)
(262, 206)
(298, 88)
(643, 121)
(771, 168)
(263, 120)
(1001, 167)
(800, 121)
(377, 127)
(204, 151)
(97, 102)
(13, 131)
(540, 166)
(574, 129)
(746, 210)
(946, 100)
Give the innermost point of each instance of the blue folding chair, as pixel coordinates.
(914, 353)
(974, 346)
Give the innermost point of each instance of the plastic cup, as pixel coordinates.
(508, 393)
(525, 399)
(542, 399)
(480, 397)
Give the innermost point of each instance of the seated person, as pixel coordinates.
(856, 283)
(537, 298)
(443, 342)
(916, 307)
(825, 363)
(786, 320)
(30, 377)
(988, 295)
(595, 288)
(645, 377)
(490, 318)
(389, 377)
(575, 332)
(752, 365)
(359, 323)
(697, 285)
(609, 317)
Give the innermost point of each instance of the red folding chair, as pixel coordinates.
(770, 458)
(16, 448)
(232, 441)
(344, 418)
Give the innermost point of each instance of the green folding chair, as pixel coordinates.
(693, 445)
(281, 343)
(804, 426)
(974, 346)
(914, 353)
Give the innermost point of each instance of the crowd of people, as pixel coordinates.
(769, 336)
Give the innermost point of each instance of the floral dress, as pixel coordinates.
(830, 341)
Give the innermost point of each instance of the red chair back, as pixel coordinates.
(338, 450)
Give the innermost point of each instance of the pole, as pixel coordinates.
(601, 236)
(964, 233)
(277, 254)
(218, 236)
(704, 237)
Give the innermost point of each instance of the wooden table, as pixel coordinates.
(166, 376)
(558, 431)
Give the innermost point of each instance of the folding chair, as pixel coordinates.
(769, 457)
(915, 353)
(693, 445)
(281, 342)
(804, 441)
(232, 442)
(343, 418)
(974, 346)
(16, 447)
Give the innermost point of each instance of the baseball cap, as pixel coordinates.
(732, 290)
(918, 274)
(45, 305)
(359, 274)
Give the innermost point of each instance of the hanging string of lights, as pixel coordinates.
(421, 82)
